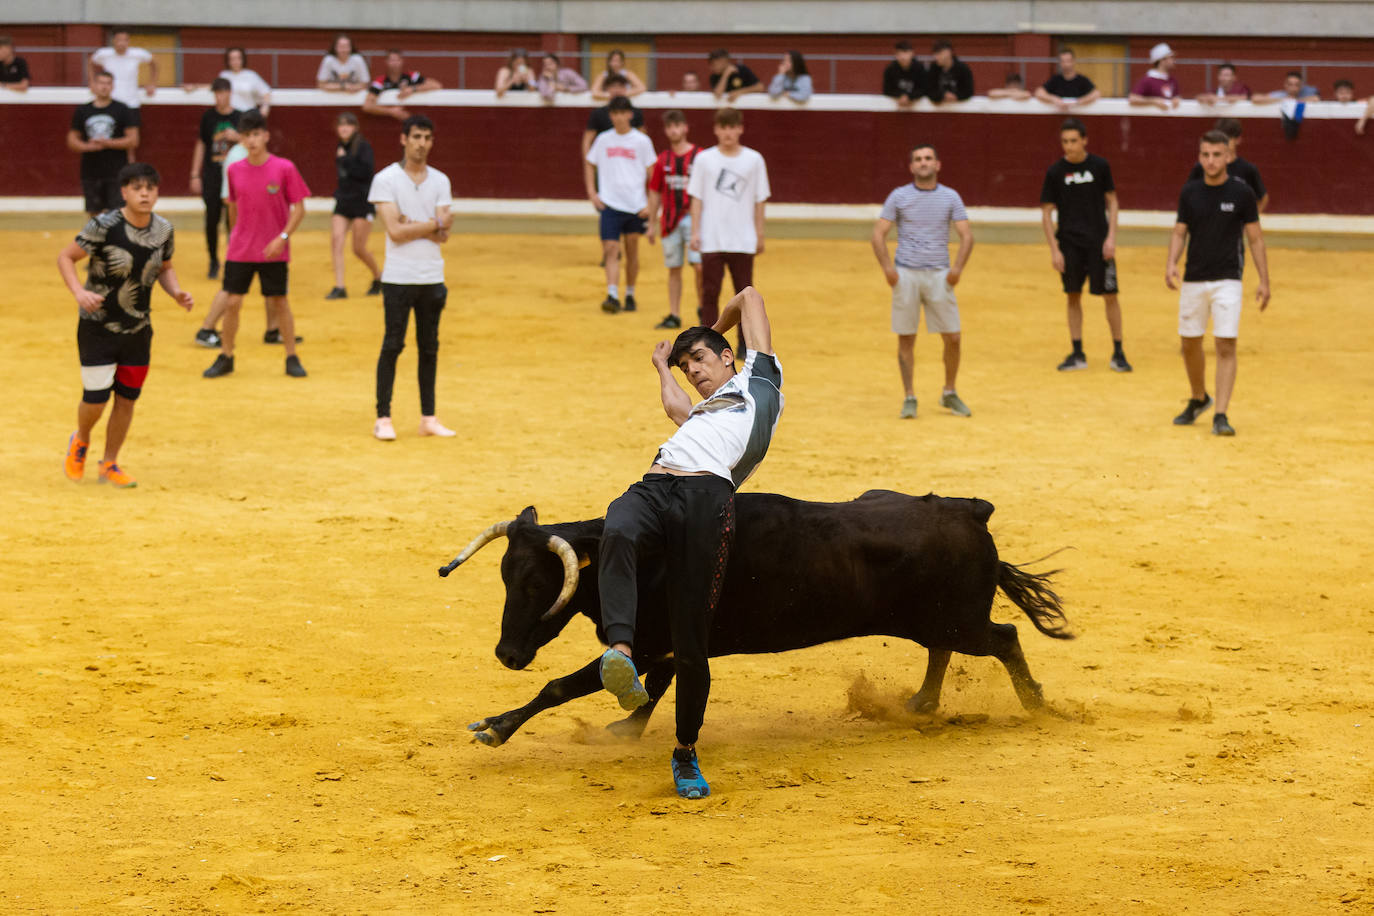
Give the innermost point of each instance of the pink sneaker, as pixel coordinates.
(430, 426)
(383, 429)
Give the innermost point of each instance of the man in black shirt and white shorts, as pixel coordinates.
(1083, 247)
(1213, 214)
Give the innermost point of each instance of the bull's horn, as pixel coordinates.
(486, 537)
(569, 557)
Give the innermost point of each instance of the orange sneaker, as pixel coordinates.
(113, 474)
(75, 465)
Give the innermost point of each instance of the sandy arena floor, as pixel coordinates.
(241, 687)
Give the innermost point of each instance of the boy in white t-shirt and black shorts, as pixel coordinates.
(615, 172)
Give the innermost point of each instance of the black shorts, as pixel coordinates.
(238, 277)
(112, 361)
(353, 209)
(101, 194)
(1086, 262)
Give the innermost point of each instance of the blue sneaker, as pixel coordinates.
(687, 774)
(618, 675)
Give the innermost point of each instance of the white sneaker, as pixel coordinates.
(383, 429)
(430, 426)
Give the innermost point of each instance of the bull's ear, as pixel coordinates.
(529, 515)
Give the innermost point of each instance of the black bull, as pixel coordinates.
(800, 574)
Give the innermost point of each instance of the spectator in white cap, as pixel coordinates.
(1157, 87)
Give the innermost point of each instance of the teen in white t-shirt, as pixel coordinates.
(728, 187)
(616, 173)
(122, 62)
(414, 202)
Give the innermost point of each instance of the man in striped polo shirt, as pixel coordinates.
(922, 213)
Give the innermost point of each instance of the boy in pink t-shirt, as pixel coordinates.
(266, 204)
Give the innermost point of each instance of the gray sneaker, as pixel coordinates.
(908, 408)
(1073, 363)
(957, 407)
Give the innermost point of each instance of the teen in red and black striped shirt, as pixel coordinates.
(668, 188)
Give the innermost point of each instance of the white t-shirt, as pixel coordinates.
(246, 88)
(124, 69)
(729, 432)
(728, 188)
(418, 261)
(333, 70)
(622, 162)
(236, 152)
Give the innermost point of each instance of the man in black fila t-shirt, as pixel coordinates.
(1213, 214)
(1083, 246)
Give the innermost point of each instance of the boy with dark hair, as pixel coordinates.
(266, 203)
(130, 250)
(14, 70)
(599, 121)
(614, 172)
(1236, 167)
(949, 79)
(905, 77)
(218, 134)
(683, 511)
(668, 189)
(105, 133)
(1083, 245)
(730, 79)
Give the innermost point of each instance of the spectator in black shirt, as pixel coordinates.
(218, 133)
(14, 71)
(405, 82)
(949, 79)
(1068, 88)
(1213, 214)
(599, 121)
(105, 133)
(1083, 246)
(905, 78)
(1236, 167)
(730, 79)
(355, 165)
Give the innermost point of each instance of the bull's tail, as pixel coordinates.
(1031, 592)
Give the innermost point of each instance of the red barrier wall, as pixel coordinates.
(813, 156)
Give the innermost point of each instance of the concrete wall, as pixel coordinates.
(646, 17)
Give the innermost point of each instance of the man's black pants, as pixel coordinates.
(689, 522)
(215, 212)
(427, 299)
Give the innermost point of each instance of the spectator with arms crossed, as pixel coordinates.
(343, 69)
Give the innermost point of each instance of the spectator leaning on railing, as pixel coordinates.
(1229, 88)
(343, 69)
(516, 75)
(905, 77)
(1013, 87)
(791, 78)
(615, 65)
(247, 90)
(122, 62)
(949, 79)
(1158, 86)
(14, 70)
(730, 79)
(1294, 88)
(554, 78)
(1068, 88)
(405, 82)
(599, 121)
(1344, 91)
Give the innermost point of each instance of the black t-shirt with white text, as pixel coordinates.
(1075, 88)
(1240, 168)
(600, 119)
(1079, 192)
(742, 77)
(108, 122)
(125, 264)
(1216, 217)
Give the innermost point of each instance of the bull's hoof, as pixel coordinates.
(922, 705)
(486, 734)
(629, 727)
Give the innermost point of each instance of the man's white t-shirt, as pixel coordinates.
(124, 69)
(236, 152)
(622, 162)
(418, 261)
(728, 188)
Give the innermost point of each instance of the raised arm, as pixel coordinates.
(676, 404)
(746, 310)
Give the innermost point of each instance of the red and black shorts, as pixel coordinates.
(238, 277)
(112, 362)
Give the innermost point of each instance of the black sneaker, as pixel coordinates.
(207, 337)
(274, 337)
(337, 292)
(213, 272)
(672, 321)
(294, 367)
(222, 365)
(629, 305)
(1193, 410)
(376, 288)
(1073, 362)
(1221, 426)
(1119, 364)
(610, 305)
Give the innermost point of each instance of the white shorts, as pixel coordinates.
(929, 288)
(675, 244)
(1219, 298)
